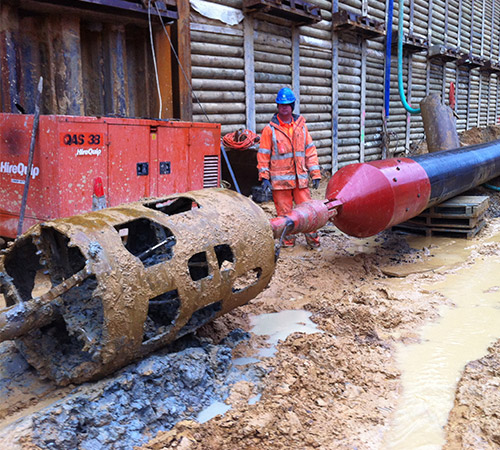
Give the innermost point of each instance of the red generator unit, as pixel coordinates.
(77, 159)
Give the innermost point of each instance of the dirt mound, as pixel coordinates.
(477, 135)
(474, 421)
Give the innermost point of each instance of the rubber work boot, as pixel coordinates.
(312, 240)
(289, 241)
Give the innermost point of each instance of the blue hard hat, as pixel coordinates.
(285, 96)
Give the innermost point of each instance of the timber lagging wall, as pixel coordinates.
(340, 77)
(95, 59)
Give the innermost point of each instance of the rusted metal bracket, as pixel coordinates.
(443, 53)
(490, 66)
(347, 21)
(411, 43)
(296, 11)
(166, 8)
(469, 60)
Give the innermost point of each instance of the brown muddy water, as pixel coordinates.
(466, 327)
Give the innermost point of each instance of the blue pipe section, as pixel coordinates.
(400, 62)
(388, 49)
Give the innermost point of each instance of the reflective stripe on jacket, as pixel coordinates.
(286, 161)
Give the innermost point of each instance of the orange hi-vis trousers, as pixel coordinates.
(283, 201)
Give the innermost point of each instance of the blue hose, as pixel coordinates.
(400, 62)
(490, 186)
(388, 48)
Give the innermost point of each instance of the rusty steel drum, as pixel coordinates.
(88, 294)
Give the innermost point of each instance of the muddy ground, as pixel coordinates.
(338, 389)
(333, 389)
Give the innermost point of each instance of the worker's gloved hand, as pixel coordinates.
(266, 185)
(315, 184)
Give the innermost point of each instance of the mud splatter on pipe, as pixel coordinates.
(125, 281)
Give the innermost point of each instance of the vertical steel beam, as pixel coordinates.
(335, 94)
(492, 28)
(296, 65)
(467, 123)
(471, 25)
(363, 103)
(29, 61)
(93, 65)
(443, 83)
(483, 15)
(182, 34)
(68, 65)
(429, 39)
(116, 85)
(8, 58)
(410, 25)
(489, 101)
(497, 81)
(478, 122)
(459, 39)
(497, 101)
(248, 47)
(164, 61)
(445, 22)
(429, 23)
(469, 81)
(408, 115)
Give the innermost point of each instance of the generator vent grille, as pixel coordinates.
(210, 171)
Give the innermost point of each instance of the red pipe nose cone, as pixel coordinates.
(378, 195)
(367, 199)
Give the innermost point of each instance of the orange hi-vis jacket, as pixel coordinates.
(287, 161)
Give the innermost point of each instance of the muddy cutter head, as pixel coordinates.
(88, 294)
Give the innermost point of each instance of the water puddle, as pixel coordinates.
(431, 369)
(439, 253)
(214, 409)
(245, 361)
(278, 326)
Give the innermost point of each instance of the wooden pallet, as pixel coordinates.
(444, 232)
(462, 216)
(463, 205)
(446, 221)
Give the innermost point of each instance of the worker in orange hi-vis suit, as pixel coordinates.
(286, 159)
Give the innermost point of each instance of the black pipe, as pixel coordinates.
(455, 171)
